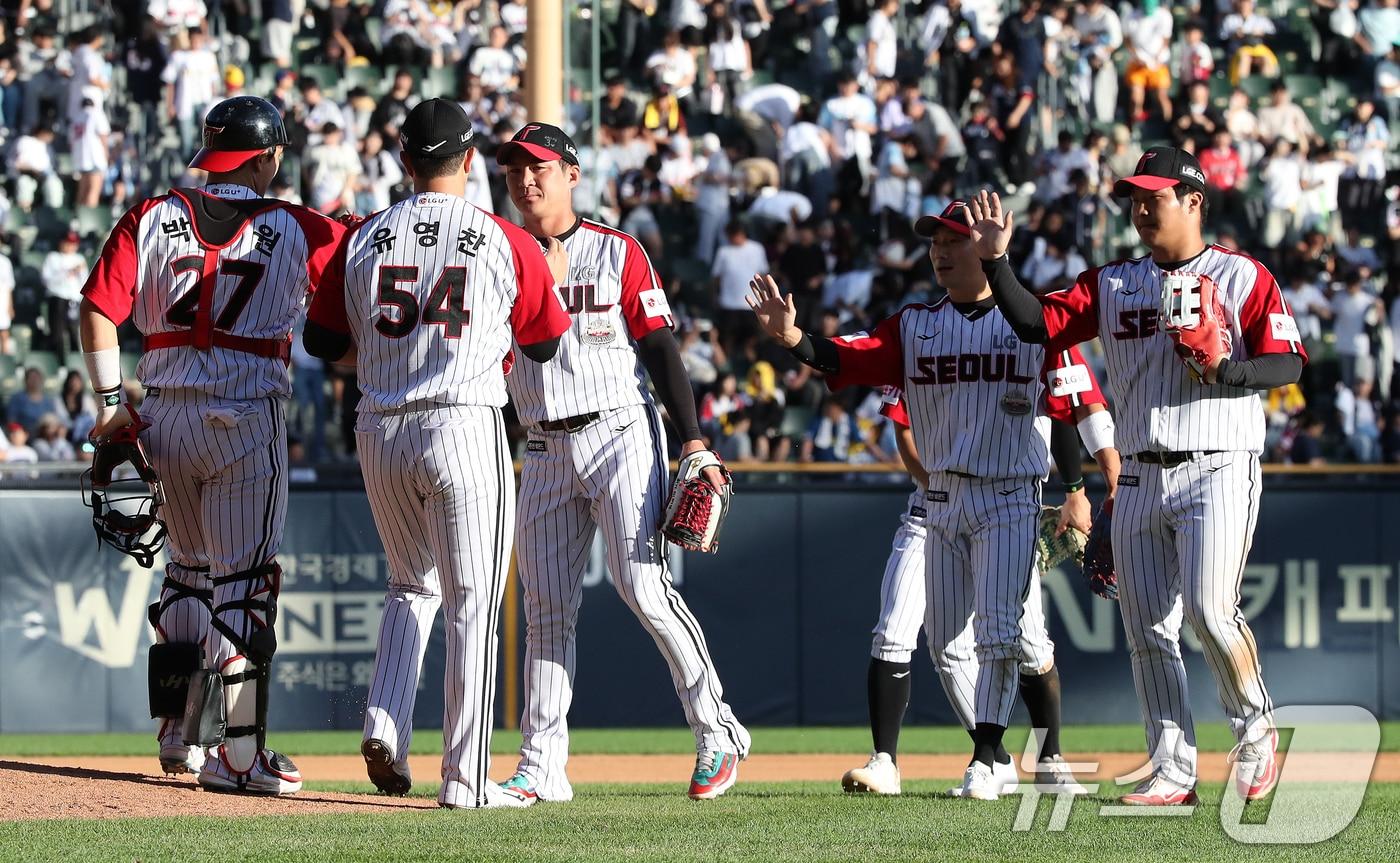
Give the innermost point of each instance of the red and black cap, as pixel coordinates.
(236, 130)
(543, 142)
(435, 129)
(1162, 168)
(953, 217)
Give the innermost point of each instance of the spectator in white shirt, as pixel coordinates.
(90, 69)
(64, 272)
(50, 440)
(881, 43)
(17, 449)
(331, 168)
(1355, 310)
(7, 302)
(495, 65)
(674, 66)
(1356, 414)
(379, 172)
(90, 133)
(735, 264)
(1096, 76)
(1246, 34)
(1283, 193)
(31, 165)
(1310, 307)
(1356, 255)
(730, 63)
(711, 195)
(192, 78)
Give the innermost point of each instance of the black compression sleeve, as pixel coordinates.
(662, 358)
(1064, 446)
(324, 343)
(1263, 372)
(1021, 308)
(817, 352)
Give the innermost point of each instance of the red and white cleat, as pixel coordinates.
(1256, 767)
(715, 773)
(1157, 791)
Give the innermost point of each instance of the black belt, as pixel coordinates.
(571, 424)
(1171, 459)
(963, 475)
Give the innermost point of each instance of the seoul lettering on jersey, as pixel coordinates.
(1159, 406)
(1006, 390)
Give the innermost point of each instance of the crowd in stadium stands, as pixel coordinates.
(793, 136)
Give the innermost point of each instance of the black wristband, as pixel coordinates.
(1072, 487)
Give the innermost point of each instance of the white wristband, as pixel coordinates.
(105, 372)
(1096, 431)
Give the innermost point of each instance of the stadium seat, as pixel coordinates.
(1257, 86)
(441, 83)
(44, 361)
(374, 79)
(795, 421)
(95, 220)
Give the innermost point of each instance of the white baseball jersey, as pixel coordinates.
(1159, 405)
(614, 299)
(431, 291)
(217, 313)
(980, 400)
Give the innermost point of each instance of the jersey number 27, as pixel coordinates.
(399, 311)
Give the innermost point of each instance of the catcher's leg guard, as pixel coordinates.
(241, 645)
(180, 619)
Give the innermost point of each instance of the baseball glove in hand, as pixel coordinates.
(696, 511)
(1052, 549)
(1098, 557)
(1194, 318)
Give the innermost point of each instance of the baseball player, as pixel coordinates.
(424, 297)
(903, 607)
(596, 458)
(980, 403)
(215, 279)
(1191, 334)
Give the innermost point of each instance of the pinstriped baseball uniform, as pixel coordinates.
(610, 475)
(1181, 534)
(433, 290)
(980, 403)
(217, 323)
(904, 606)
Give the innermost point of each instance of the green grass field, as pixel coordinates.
(762, 822)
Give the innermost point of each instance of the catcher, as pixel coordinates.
(596, 458)
(903, 608)
(980, 403)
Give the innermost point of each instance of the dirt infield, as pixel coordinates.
(122, 787)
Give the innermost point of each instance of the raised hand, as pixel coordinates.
(990, 228)
(775, 312)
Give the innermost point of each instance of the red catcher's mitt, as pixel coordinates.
(1193, 316)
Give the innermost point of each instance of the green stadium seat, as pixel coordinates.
(372, 78)
(1257, 87)
(129, 360)
(327, 76)
(795, 421)
(441, 83)
(95, 220)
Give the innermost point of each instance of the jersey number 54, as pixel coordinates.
(445, 306)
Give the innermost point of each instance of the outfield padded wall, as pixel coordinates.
(786, 606)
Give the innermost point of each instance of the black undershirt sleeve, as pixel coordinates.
(1064, 447)
(324, 343)
(817, 352)
(662, 358)
(541, 352)
(1263, 372)
(1020, 307)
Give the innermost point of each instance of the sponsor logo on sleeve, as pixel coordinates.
(1284, 328)
(1070, 380)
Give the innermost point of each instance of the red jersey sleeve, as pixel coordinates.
(1265, 319)
(1069, 383)
(536, 315)
(328, 304)
(892, 407)
(323, 235)
(1072, 315)
(644, 303)
(111, 285)
(871, 358)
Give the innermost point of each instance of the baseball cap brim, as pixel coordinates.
(1124, 187)
(535, 151)
(220, 161)
(926, 225)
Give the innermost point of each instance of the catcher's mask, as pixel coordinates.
(125, 506)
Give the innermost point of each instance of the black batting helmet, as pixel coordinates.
(236, 130)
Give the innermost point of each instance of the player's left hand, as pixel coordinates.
(110, 419)
(1076, 512)
(712, 475)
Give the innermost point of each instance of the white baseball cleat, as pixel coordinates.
(1054, 776)
(1004, 772)
(980, 783)
(496, 798)
(271, 774)
(878, 776)
(1256, 767)
(177, 759)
